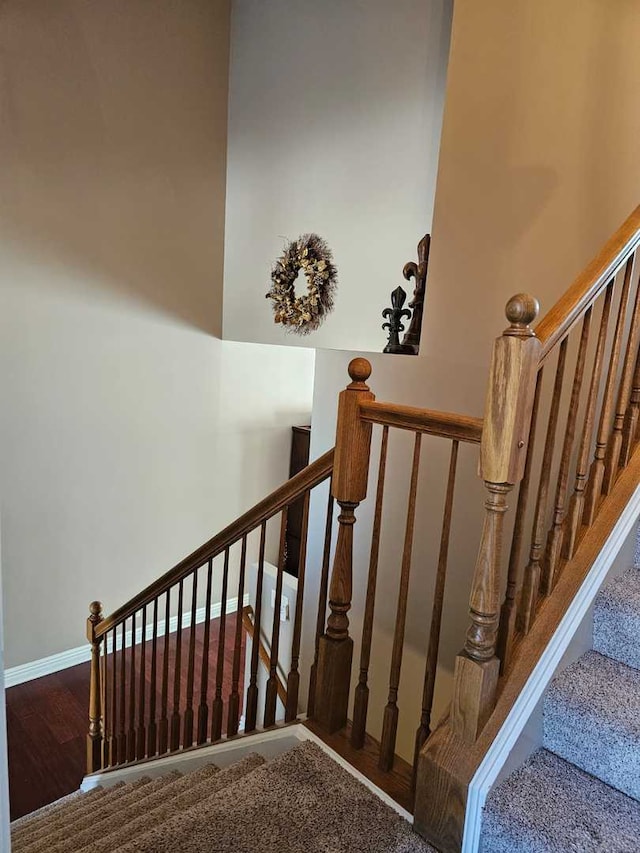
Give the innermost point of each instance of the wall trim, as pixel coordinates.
(538, 681)
(15, 675)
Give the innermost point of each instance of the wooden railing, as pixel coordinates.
(560, 427)
(357, 413)
(149, 656)
(153, 658)
(561, 424)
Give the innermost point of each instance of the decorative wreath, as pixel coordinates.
(303, 314)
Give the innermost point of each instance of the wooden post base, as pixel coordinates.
(94, 753)
(474, 690)
(333, 682)
(442, 779)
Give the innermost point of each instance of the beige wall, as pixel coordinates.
(538, 165)
(128, 433)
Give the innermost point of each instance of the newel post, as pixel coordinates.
(94, 738)
(503, 450)
(350, 474)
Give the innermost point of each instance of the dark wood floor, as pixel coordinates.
(47, 725)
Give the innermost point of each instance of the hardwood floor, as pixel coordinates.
(47, 721)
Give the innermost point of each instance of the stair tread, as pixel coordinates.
(548, 804)
(173, 823)
(616, 619)
(78, 811)
(89, 818)
(299, 801)
(592, 718)
(179, 795)
(49, 812)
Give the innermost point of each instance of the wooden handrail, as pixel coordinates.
(265, 657)
(573, 303)
(290, 491)
(443, 424)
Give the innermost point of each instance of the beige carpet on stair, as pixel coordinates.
(300, 802)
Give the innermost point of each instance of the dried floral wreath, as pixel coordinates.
(303, 314)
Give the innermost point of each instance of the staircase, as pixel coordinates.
(300, 801)
(582, 790)
(560, 465)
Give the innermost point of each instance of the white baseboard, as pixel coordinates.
(14, 675)
(538, 681)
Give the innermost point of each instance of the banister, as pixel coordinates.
(443, 424)
(290, 491)
(574, 302)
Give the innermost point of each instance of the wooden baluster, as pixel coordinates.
(293, 679)
(271, 693)
(177, 672)
(131, 736)
(94, 737)
(187, 739)
(631, 418)
(533, 571)
(203, 708)
(322, 603)
(113, 740)
(555, 536)
(252, 691)
(163, 728)
(624, 395)
(122, 735)
(502, 456)
(218, 704)
(424, 729)
(361, 701)
(390, 719)
(596, 473)
(576, 505)
(152, 731)
(141, 735)
(104, 700)
(233, 713)
(509, 612)
(350, 474)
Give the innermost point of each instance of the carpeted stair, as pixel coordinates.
(581, 792)
(300, 801)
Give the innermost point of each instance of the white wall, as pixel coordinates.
(334, 124)
(129, 434)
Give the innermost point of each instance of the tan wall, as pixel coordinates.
(539, 162)
(129, 434)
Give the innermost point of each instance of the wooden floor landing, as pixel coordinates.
(396, 783)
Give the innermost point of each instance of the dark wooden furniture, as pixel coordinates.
(300, 441)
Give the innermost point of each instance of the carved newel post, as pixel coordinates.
(350, 473)
(94, 738)
(503, 452)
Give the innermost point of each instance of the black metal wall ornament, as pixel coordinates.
(395, 316)
(411, 341)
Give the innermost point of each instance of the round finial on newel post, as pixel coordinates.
(359, 371)
(95, 611)
(521, 310)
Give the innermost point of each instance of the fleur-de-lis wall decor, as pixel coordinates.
(411, 341)
(395, 315)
